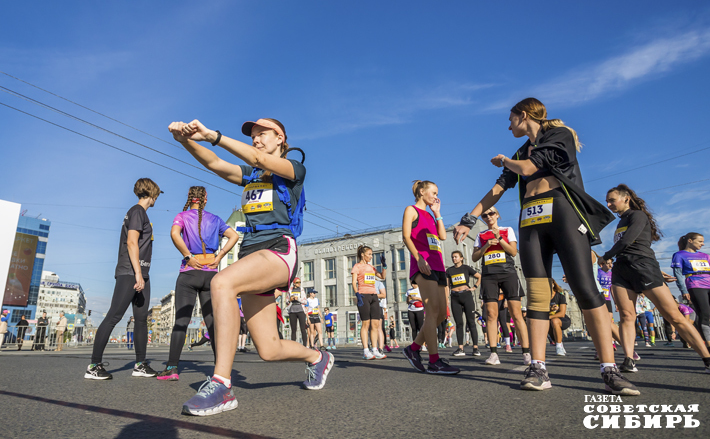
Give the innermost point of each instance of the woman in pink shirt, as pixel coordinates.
(422, 234)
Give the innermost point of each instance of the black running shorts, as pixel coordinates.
(370, 309)
(637, 275)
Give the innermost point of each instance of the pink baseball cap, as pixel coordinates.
(5, 311)
(246, 128)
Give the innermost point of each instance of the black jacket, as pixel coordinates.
(556, 155)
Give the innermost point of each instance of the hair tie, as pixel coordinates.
(196, 200)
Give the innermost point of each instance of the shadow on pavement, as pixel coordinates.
(166, 426)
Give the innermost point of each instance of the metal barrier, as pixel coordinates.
(33, 337)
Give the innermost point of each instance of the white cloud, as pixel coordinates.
(589, 82)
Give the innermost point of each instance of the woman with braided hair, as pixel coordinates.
(196, 234)
(636, 270)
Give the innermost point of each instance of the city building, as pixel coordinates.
(25, 275)
(167, 318)
(154, 323)
(325, 264)
(236, 219)
(55, 297)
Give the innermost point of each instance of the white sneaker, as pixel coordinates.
(424, 349)
(527, 359)
(493, 359)
(367, 355)
(378, 355)
(560, 350)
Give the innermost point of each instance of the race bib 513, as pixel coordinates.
(537, 212)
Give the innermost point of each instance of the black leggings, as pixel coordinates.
(202, 341)
(416, 321)
(189, 285)
(123, 296)
(462, 303)
(701, 302)
(538, 242)
(441, 331)
(296, 318)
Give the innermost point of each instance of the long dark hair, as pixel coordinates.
(637, 203)
(683, 241)
(361, 252)
(197, 195)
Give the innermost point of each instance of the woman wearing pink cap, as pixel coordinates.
(267, 260)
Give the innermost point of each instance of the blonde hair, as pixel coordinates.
(493, 208)
(420, 185)
(146, 188)
(537, 112)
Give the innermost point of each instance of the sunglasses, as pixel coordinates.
(486, 215)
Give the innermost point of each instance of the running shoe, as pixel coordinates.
(636, 356)
(508, 348)
(527, 359)
(458, 353)
(536, 378)
(169, 374)
(627, 366)
(476, 352)
(212, 397)
(442, 367)
(334, 348)
(317, 373)
(414, 357)
(493, 359)
(378, 355)
(367, 355)
(648, 344)
(668, 343)
(189, 348)
(97, 372)
(560, 350)
(424, 349)
(387, 348)
(617, 384)
(327, 348)
(653, 344)
(143, 370)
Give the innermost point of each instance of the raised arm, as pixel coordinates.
(207, 158)
(489, 200)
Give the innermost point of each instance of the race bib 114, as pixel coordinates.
(434, 243)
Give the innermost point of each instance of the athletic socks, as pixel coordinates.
(560, 345)
(415, 347)
(603, 365)
(494, 350)
(226, 381)
(433, 358)
(541, 363)
(526, 350)
(366, 351)
(653, 339)
(320, 357)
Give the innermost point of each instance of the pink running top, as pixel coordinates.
(426, 241)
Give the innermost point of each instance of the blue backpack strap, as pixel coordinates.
(295, 216)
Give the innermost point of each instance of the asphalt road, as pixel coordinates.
(45, 395)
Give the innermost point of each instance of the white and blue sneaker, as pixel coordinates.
(213, 397)
(317, 373)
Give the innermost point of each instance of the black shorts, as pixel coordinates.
(370, 308)
(314, 319)
(242, 326)
(437, 276)
(491, 284)
(565, 321)
(392, 333)
(636, 275)
(608, 306)
(285, 248)
(329, 329)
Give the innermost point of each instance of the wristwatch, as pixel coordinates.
(187, 258)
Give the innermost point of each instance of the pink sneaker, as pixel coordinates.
(508, 348)
(387, 348)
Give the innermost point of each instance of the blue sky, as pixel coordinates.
(377, 94)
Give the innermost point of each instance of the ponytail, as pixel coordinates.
(536, 111)
(637, 203)
(419, 186)
(683, 241)
(197, 195)
(361, 251)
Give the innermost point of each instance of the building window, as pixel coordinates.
(351, 295)
(401, 255)
(352, 260)
(403, 287)
(331, 295)
(308, 271)
(375, 262)
(329, 268)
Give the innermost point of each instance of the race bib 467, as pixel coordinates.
(258, 197)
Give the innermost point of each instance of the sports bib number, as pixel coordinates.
(258, 197)
(370, 279)
(700, 265)
(434, 243)
(619, 233)
(537, 212)
(605, 293)
(458, 279)
(494, 257)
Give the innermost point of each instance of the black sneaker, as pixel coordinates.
(415, 359)
(441, 367)
(535, 378)
(476, 352)
(458, 353)
(143, 370)
(617, 384)
(628, 365)
(97, 372)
